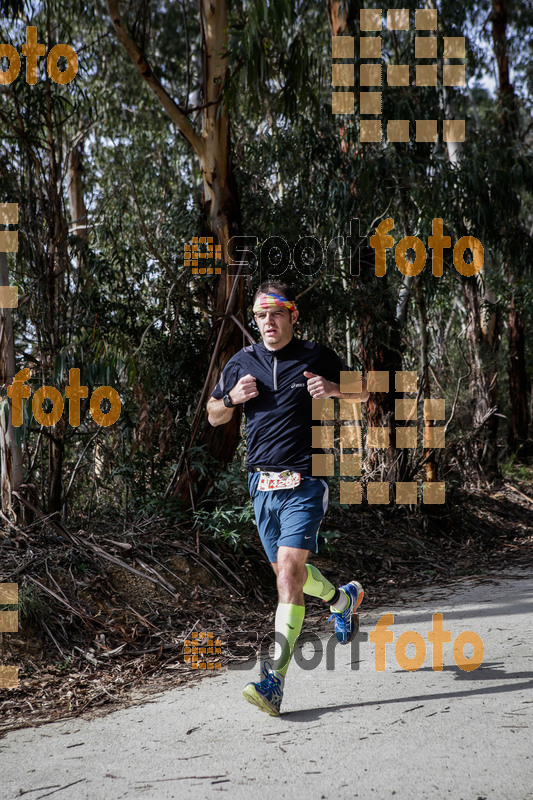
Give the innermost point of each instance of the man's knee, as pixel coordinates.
(291, 576)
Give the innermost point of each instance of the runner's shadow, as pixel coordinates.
(486, 672)
(312, 714)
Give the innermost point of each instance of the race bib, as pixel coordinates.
(271, 481)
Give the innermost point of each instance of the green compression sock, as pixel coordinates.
(288, 624)
(318, 586)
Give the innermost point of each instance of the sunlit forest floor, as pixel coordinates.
(105, 611)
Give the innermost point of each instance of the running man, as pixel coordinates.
(276, 381)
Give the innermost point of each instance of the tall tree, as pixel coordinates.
(220, 202)
(10, 452)
(518, 385)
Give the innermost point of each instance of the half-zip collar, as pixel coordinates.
(283, 350)
(275, 356)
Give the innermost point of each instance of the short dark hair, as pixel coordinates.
(278, 287)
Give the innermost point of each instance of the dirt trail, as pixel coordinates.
(346, 732)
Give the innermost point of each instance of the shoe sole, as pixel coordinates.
(252, 696)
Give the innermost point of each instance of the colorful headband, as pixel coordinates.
(271, 300)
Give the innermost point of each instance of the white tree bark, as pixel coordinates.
(10, 452)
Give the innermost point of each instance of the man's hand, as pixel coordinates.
(319, 387)
(244, 390)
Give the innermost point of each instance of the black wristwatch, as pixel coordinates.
(227, 401)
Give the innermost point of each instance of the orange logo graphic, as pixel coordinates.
(436, 637)
(351, 438)
(9, 623)
(372, 71)
(193, 252)
(198, 647)
(9, 243)
(32, 50)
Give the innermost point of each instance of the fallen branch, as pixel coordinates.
(510, 486)
(84, 546)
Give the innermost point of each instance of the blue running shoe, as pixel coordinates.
(267, 694)
(346, 622)
(266, 668)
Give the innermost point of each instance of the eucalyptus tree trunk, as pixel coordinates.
(518, 429)
(429, 454)
(56, 266)
(342, 15)
(78, 209)
(483, 341)
(220, 200)
(10, 452)
(518, 384)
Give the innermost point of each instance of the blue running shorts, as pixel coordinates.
(289, 517)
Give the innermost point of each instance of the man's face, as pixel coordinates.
(276, 326)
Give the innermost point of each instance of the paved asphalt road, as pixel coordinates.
(344, 733)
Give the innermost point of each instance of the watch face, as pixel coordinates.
(227, 401)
